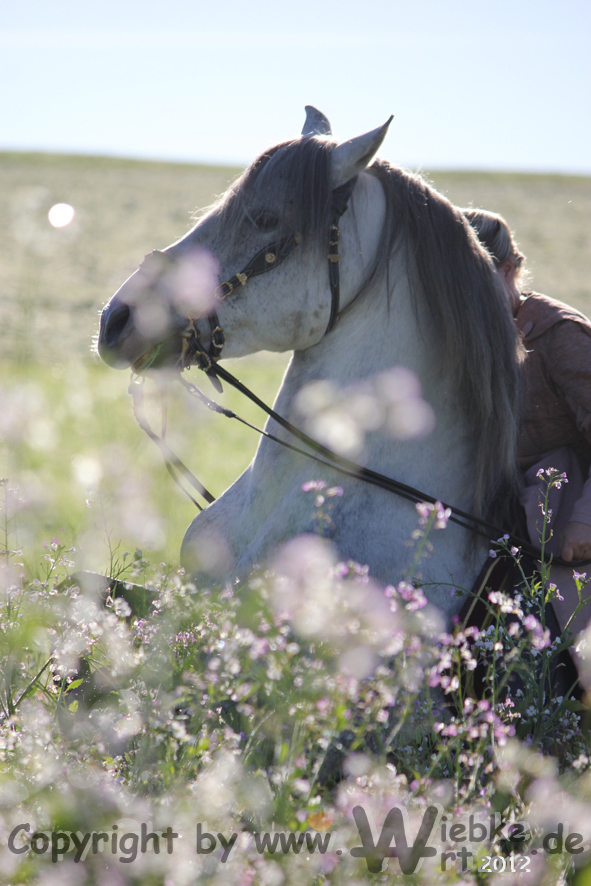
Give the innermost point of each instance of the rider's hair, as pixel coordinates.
(496, 236)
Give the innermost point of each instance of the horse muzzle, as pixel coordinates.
(140, 336)
(151, 321)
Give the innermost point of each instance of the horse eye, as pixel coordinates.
(266, 221)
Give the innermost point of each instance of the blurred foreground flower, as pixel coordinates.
(188, 287)
(308, 702)
(341, 417)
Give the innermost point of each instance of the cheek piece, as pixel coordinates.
(268, 258)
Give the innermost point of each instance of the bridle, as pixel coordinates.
(195, 353)
(267, 259)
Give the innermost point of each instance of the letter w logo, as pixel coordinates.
(409, 857)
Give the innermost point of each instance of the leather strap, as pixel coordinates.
(266, 259)
(468, 521)
(340, 199)
(172, 462)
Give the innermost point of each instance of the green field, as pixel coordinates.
(66, 419)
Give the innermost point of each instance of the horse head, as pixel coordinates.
(212, 287)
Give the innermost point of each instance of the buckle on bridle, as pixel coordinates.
(193, 350)
(218, 339)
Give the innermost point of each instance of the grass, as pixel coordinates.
(66, 419)
(54, 282)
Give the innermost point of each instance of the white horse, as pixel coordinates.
(416, 290)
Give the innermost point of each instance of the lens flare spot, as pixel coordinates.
(88, 471)
(60, 215)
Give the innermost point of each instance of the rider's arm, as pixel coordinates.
(571, 373)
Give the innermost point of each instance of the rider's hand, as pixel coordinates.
(575, 542)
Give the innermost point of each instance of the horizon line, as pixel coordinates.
(239, 166)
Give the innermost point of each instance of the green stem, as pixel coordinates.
(59, 699)
(32, 682)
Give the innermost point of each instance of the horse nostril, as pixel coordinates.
(114, 324)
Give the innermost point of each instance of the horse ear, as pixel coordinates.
(316, 123)
(350, 158)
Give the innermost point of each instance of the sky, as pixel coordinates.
(503, 85)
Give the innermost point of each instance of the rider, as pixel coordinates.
(556, 426)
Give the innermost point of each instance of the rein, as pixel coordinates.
(323, 456)
(194, 352)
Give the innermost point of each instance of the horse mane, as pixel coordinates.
(480, 346)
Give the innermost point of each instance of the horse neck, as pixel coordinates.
(377, 334)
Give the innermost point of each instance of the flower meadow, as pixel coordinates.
(299, 728)
(304, 727)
